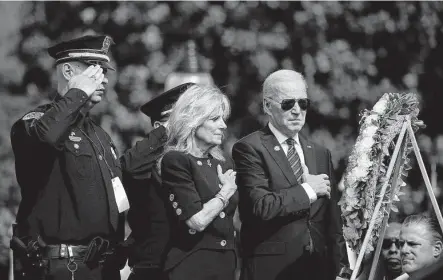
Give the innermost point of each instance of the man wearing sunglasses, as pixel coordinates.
(391, 251)
(291, 223)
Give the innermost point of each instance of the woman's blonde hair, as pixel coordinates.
(196, 105)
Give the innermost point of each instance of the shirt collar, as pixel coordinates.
(281, 138)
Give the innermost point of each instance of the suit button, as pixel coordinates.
(222, 214)
(308, 248)
(192, 231)
(223, 243)
(174, 204)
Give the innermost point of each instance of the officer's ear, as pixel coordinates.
(67, 71)
(266, 106)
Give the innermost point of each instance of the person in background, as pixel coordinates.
(421, 242)
(291, 223)
(68, 222)
(391, 251)
(147, 216)
(201, 189)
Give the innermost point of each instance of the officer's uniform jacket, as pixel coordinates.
(147, 215)
(64, 166)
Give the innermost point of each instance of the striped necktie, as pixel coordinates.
(294, 160)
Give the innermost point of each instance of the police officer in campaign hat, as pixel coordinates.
(147, 215)
(68, 169)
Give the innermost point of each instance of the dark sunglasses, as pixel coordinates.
(288, 104)
(387, 243)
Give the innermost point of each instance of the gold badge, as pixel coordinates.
(74, 138)
(106, 44)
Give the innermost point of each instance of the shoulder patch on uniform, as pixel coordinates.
(33, 115)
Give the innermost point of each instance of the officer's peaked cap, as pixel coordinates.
(90, 49)
(164, 101)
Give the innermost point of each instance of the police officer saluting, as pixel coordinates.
(68, 170)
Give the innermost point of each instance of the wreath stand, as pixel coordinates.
(393, 173)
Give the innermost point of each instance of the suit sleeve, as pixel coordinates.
(57, 120)
(254, 188)
(337, 245)
(177, 180)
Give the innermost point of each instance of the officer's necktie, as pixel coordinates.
(294, 160)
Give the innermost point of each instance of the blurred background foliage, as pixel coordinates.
(350, 52)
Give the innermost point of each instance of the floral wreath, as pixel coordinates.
(367, 167)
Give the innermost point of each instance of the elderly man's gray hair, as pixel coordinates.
(278, 82)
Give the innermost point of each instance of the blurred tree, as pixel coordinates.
(350, 52)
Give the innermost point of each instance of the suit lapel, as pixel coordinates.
(311, 163)
(277, 153)
(309, 154)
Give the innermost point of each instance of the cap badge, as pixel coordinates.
(106, 44)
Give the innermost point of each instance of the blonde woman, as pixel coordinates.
(201, 188)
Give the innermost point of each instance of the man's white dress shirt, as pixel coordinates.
(281, 138)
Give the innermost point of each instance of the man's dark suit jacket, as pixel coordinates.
(276, 214)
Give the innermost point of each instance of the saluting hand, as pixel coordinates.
(227, 180)
(319, 183)
(88, 81)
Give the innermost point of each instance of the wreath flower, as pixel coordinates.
(367, 166)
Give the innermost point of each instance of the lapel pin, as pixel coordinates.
(277, 148)
(309, 146)
(199, 163)
(76, 146)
